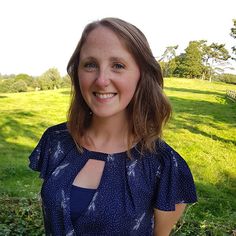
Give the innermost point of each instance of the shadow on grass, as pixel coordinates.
(191, 114)
(230, 101)
(11, 127)
(23, 113)
(16, 178)
(192, 91)
(195, 130)
(217, 112)
(66, 92)
(217, 203)
(213, 214)
(3, 96)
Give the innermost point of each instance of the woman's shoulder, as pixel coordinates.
(57, 133)
(59, 138)
(176, 184)
(57, 129)
(53, 146)
(166, 153)
(167, 159)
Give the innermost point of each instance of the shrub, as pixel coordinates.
(227, 78)
(20, 216)
(19, 86)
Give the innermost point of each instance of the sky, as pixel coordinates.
(36, 35)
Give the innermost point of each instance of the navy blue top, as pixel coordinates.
(129, 190)
(79, 201)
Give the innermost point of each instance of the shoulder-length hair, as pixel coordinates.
(149, 108)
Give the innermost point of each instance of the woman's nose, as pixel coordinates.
(103, 78)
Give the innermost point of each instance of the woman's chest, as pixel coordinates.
(123, 199)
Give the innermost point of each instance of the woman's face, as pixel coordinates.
(108, 73)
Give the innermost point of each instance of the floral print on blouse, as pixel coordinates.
(129, 190)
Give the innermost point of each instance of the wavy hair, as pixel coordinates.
(149, 109)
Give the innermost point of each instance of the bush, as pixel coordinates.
(19, 86)
(20, 216)
(227, 78)
(5, 85)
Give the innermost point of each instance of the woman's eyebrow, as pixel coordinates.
(112, 59)
(89, 58)
(117, 59)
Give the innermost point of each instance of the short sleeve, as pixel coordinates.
(39, 158)
(175, 180)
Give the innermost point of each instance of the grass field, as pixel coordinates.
(202, 130)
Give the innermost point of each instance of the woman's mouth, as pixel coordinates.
(104, 95)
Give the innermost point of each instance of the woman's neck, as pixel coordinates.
(107, 135)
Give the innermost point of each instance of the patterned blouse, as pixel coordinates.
(129, 190)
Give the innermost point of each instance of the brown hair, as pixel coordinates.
(149, 108)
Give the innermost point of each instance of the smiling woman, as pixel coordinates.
(106, 170)
(108, 74)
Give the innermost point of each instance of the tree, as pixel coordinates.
(45, 83)
(26, 78)
(214, 56)
(180, 69)
(167, 61)
(6, 83)
(50, 79)
(66, 81)
(233, 34)
(35, 84)
(189, 64)
(19, 86)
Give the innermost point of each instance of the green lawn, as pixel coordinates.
(202, 130)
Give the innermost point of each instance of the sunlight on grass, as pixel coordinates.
(202, 130)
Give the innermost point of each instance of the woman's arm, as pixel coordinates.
(165, 220)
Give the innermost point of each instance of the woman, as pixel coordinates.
(106, 170)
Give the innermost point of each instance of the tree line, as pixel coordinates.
(51, 79)
(200, 60)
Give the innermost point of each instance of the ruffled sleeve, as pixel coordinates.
(175, 182)
(39, 158)
(53, 147)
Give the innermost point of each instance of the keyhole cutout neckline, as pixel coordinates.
(89, 177)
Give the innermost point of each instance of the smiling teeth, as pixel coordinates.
(103, 96)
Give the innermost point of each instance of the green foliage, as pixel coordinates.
(66, 82)
(12, 85)
(192, 61)
(202, 130)
(227, 78)
(5, 85)
(168, 62)
(189, 64)
(35, 84)
(216, 54)
(18, 86)
(20, 216)
(233, 29)
(45, 83)
(26, 78)
(233, 34)
(51, 79)
(199, 60)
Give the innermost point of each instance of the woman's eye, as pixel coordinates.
(90, 65)
(118, 66)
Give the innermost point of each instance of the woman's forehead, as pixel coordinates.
(102, 35)
(104, 40)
